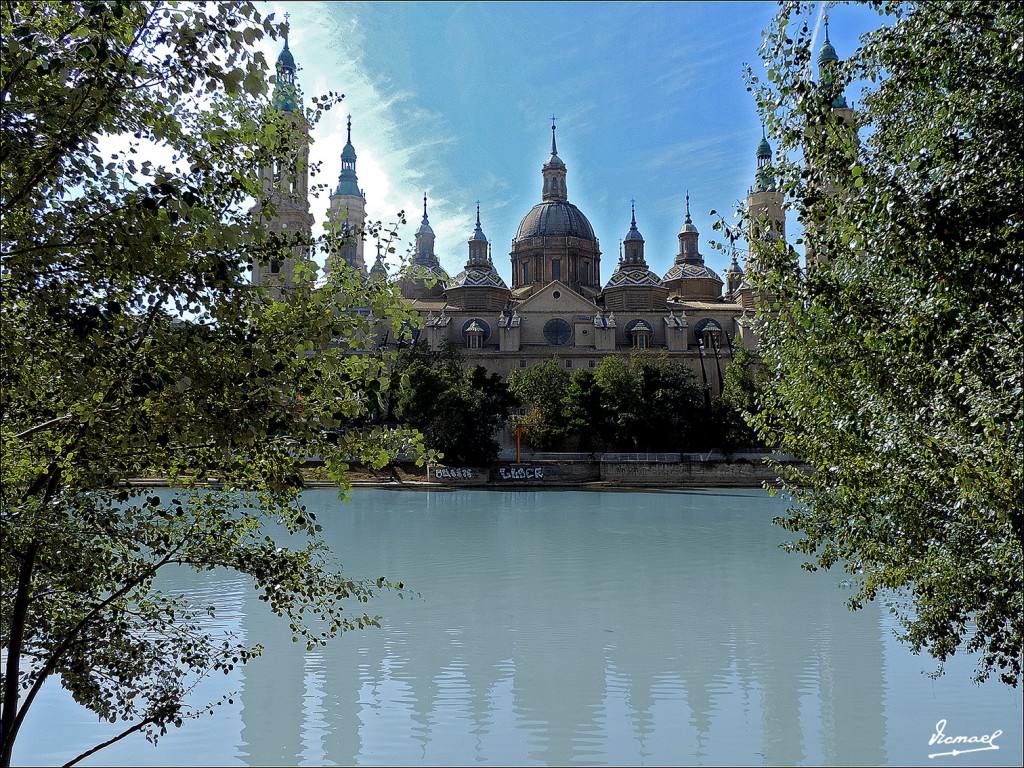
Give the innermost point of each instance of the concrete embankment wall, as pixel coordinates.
(673, 470)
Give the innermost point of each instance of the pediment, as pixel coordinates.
(567, 301)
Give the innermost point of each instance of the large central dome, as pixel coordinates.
(558, 218)
(554, 240)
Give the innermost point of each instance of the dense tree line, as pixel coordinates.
(645, 402)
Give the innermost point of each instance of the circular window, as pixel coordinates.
(557, 332)
(557, 294)
(481, 326)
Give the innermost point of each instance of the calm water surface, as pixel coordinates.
(567, 628)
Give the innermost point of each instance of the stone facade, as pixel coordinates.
(557, 304)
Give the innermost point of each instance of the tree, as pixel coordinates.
(459, 412)
(737, 406)
(133, 346)
(542, 388)
(894, 364)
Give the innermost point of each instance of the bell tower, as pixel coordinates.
(285, 183)
(347, 212)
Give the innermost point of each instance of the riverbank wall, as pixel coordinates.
(558, 470)
(714, 470)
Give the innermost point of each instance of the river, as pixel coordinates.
(567, 627)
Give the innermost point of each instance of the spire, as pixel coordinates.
(827, 54)
(379, 271)
(478, 245)
(688, 239)
(425, 241)
(764, 149)
(348, 183)
(553, 172)
(633, 242)
(827, 59)
(286, 92)
(764, 178)
(478, 233)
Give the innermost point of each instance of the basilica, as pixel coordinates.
(559, 304)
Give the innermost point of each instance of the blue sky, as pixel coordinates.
(455, 100)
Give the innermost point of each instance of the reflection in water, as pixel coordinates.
(576, 627)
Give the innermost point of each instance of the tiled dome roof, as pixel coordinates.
(559, 218)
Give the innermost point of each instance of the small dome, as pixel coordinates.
(764, 150)
(689, 271)
(554, 161)
(827, 54)
(478, 233)
(417, 271)
(558, 218)
(477, 277)
(634, 234)
(425, 224)
(286, 60)
(633, 277)
(349, 152)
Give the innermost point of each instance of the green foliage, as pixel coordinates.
(542, 388)
(894, 367)
(133, 345)
(459, 412)
(738, 405)
(645, 402)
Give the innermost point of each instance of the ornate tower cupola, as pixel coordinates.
(423, 278)
(764, 179)
(633, 287)
(733, 277)
(689, 237)
(827, 61)
(554, 174)
(286, 90)
(478, 286)
(348, 183)
(425, 241)
(479, 248)
(348, 211)
(690, 279)
(285, 183)
(633, 244)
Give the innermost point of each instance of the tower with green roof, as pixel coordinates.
(842, 128)
(285, 182)
(347, 212)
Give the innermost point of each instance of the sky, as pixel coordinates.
(455, 100)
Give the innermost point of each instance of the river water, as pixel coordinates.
(567, 627)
